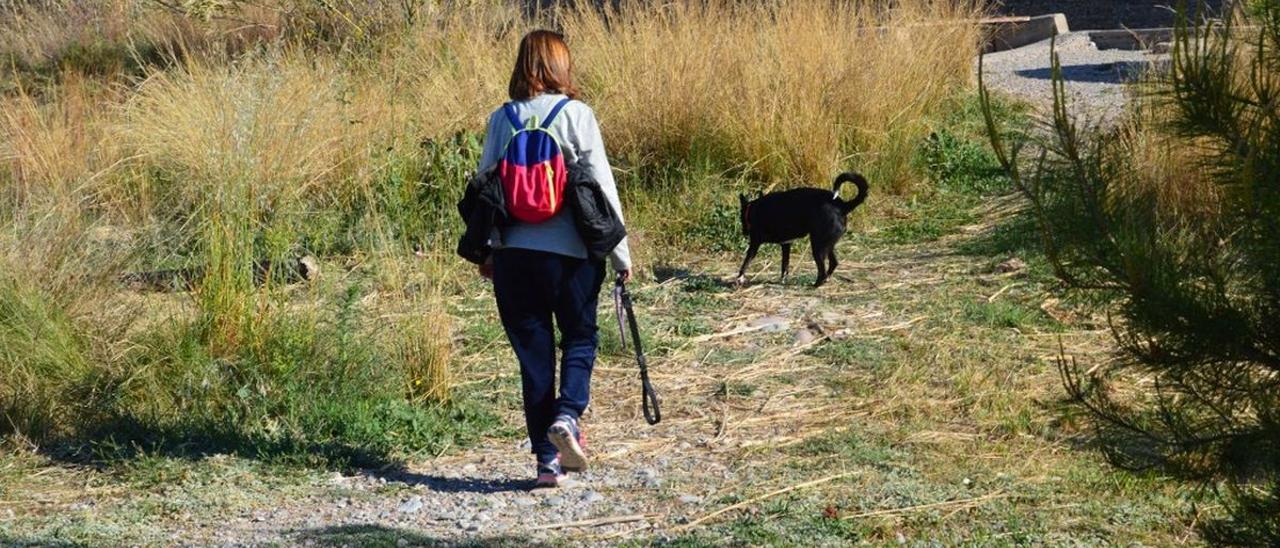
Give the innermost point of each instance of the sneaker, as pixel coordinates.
(567, 436)
(549, 474)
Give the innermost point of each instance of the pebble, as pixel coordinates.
(473, 527)
(411, 506)
(649, 477)
(803, 337)
(771, 324)
(524, 502)
(342, 503)
(1012, 265)
(554, 501)
(337, 478)
(484, 516)
(967, 482)
(402, 542)
(591, 497)
(690, 499)
(470, 468)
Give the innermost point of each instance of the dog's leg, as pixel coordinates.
(831, 256)
(819, 254)
(786, 261)
(751, 254)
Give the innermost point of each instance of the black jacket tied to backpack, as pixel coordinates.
(598, 224)
(483, 209)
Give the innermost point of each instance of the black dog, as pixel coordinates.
(783, 217)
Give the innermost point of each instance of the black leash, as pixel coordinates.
(649, 397)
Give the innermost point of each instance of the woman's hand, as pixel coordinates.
(486, 269)
(624, 276)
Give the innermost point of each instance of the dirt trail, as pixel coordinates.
(909, 400)
(752, 379)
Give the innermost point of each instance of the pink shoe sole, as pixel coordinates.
(572, 457)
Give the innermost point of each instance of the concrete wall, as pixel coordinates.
(1101, 14)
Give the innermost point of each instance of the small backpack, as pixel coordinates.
(532, 169)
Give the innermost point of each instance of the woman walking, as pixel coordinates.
(541, 270)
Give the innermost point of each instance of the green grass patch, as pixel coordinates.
(962, 172)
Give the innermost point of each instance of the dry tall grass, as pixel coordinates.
(218, 134)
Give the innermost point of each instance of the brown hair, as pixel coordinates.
(543, 65)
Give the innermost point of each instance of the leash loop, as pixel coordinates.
(648, 397)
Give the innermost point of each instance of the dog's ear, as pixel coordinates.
(742, 199)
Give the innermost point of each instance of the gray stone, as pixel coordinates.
(402, 542)
(648, 477)
(690, 499)
(554, 501)
(484, 516)
(470, 468)
(1012, 265)
(771, 324)
(803, 337)
(591, 497)
(524, 502)
(473, 527)
(411, 506)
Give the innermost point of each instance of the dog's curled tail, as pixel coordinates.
(859, 181)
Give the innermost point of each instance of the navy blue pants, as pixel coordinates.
(532, 287)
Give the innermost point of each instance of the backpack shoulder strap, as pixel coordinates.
(555, 111)
(510, 111)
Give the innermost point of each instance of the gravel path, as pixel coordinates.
(484, 496)
(1094, 78)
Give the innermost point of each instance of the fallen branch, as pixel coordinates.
(1002, 290)
(597, 522)
(897, 327)
(891, 511)
(765, 496)
(731, 333)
